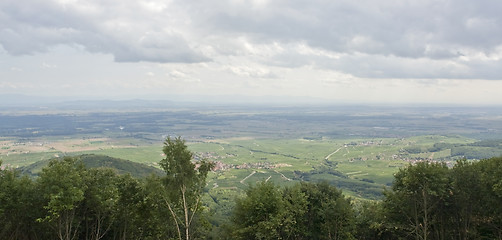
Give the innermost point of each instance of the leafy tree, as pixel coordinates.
(431, 201)
(303, 211)
(418, 199)
(184, 182)
(291, 218)
(100, 202)
(130, 204)
(255, 216)
(141, 212)
(63, 186)
(467, 199)
(370, 221)
(155, 213)
(490, 191)
(329, 214)
(20, 205)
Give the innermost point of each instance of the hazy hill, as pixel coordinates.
(95, 161)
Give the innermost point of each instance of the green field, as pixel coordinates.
(357, 148)
(360, 166)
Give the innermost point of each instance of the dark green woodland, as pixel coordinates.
(69, 198)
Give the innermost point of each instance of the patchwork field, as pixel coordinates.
(362, 167)
(355, 148)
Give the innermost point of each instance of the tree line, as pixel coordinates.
(427, 200)
(70, 201)
(431, 201)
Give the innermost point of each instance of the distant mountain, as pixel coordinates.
(24, 102)
(95, 161)
(133, 104)
(45, 103)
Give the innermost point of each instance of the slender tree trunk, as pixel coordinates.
(426, 222)
(175, 219)
(417, 225)
(60, 229)
(185, 207)
(124, 233)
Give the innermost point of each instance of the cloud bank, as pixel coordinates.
(410, 39)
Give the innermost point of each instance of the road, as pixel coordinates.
(327, 157)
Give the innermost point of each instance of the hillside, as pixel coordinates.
(95, 161)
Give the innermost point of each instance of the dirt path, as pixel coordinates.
(327, 157)
(242, 181)
(282, 175)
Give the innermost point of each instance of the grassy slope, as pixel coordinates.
(95, 161)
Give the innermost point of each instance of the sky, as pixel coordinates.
(334, 51)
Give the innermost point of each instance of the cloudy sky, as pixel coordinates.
(389, 51)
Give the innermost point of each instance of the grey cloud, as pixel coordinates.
(398, 39)
(377, 39)
(371, 66)
(159, 47)
(403, 28)
(121, 29)
(380, 66)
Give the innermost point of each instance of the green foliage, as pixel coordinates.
(254, 216)
(130, 209)
(20, 205)
(100, 202)
(121, 166)
(371, 222)
(490, 192)
(365, 188)
(414, 149)
(427, 200)
(476, 152)
(63, 186)
(466, 198)
(303, 211)
(421, 192)
(71, 201)
(431, 201)
(184, 182)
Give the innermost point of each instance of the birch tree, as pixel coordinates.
(184, 182)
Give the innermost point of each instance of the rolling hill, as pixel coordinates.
(95, 161)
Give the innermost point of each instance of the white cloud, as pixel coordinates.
(410, 30)
(187, 31)
(252, 72)
(275, 47)
(48, 65)
(127, 29)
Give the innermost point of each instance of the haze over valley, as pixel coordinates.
(359, 145)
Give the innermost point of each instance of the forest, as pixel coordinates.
(69, 200)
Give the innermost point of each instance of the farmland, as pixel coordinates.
(357, 148)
